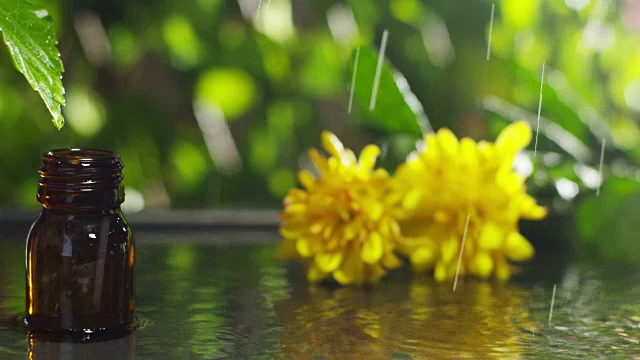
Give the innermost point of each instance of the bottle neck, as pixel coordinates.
(67, 200)
(80, 179)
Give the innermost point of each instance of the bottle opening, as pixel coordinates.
(80, 176)
(84, 154)
(86, 169)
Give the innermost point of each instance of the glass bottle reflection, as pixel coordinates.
(39, 348)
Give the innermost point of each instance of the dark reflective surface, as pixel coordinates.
(221, 295)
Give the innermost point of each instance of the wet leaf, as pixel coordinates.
(27, 31)
(608, 222)
(397, 109)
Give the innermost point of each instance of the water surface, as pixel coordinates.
(224, 295)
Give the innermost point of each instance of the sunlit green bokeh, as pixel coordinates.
(232, 90)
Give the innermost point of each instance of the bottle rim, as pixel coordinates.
(80, 154)
(76, 169)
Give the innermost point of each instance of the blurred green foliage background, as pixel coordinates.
(213, 103)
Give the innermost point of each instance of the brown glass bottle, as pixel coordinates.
(80, 252)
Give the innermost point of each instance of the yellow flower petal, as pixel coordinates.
(422, 259)
(352, 269)
(327, 231)
(374, 273)
(468, 154)
(344, 215)
(318, 160)
(306, 179)
(333, 165)
(514, 137)
(535, 213)
(449, 249)
(511, 213)
(375, 213)
(380, 174)
(303, 248)
(441, 216)
(491, 237)
(328, 262)
(517, 247)
(334, 243)
(384, 227)
(395, 229)
(487, 152)
(372, 249)
(351, 156)
(314, 274)
(296, 208)
(482, 265)
(530, 210)
(510, 181)
(350, 231)
(317, 227)
(448, 142)
(503, 270)
(295, 195)
(390, 260)
(440, 273)
(334, 146)
(289, 236)
(412, 199)
(368, 157)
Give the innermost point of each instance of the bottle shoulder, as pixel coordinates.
(56, 227)
(66, 216)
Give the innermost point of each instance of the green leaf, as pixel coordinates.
(594, 212)
(27, 31)
(617, 239)
(607, 223)
(397, 109)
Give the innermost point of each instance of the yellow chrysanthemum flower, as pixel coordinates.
(439, 187)
(342, 223)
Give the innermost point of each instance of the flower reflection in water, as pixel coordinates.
(420, 319)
